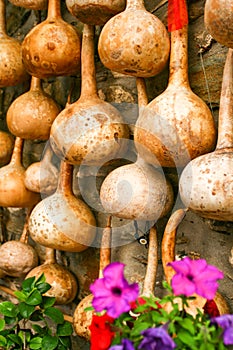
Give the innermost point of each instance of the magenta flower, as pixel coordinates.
(156, 339)
(126, 344)
(112, 292)
(225, 322)
(195, 276)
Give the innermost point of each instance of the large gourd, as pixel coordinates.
(134, 42)
(89, 131)
(177, 125)
(52, 47)
(206, 183)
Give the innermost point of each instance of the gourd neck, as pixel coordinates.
(2, 18)
(50, 256)
(88, 74)
(225, 124)
(135, 5)
(151, 270)
(105, 249)
(17, 152)
(54, 10)
(35, 84)
(65, 179)
(179, 58)
(141, 92)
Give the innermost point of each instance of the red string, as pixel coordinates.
(177, 16)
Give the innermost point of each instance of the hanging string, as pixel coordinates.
(177, 16)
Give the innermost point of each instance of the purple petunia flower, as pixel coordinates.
(226, 322)
(112, 292)
(195, 276)
(156, 339)
(126, 344)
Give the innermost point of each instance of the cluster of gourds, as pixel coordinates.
(176, 129)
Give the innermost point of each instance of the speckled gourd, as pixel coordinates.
(62, 221)
(31, 115)
(52, 47)
(176, 126)
(89, 131)
(206, 183)
(134, 42)
(6, 147)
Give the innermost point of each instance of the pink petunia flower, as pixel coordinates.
(113, 293)
(195, 277)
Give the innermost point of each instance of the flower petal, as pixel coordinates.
(182, 285)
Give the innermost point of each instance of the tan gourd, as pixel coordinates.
(168, 255)
(31, 4)
(89, 131)
(177, 125)
(6, 147)
(42, 177)
(206, 183)
(137, 191)
(12, 70)
(31, 115)
(218, 18)
(64, 286)
(134, 42)
(13, 192)
(17, 257)
(81, 318)
(62, 221)
(95, 12)
(52, 47)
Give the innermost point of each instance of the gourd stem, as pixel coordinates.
(169, 242)
(88, 74)
(48, 155)
(141, 91)
(105, 249)
(25, 234)
(54, 10)
(50, 256)
(178, 67)
(225, 125)
(65, 179)
(152, 263)
(17, 151)
(35, 84)
(2, 18)
(135, 5)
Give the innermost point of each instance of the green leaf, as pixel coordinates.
(25, 335)
(3, 341)
(64, 329)
(36, 315)
(35, 343)
(2, 324)
(28, 284)
(140, 326)
(49, 342)
(187, 323)
(35, 298)
(40, 330)
(40, 279)
(8, 309)
(55, 314)
(43, 287)
(47, 302)
(21, 296)
(65, 341)
(26, 310)
(15, 339)
(186, 338)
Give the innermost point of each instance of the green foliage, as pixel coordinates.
(34, 322)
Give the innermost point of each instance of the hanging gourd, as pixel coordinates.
(218, 18)
(177, 125)
(95, 12)
(52, 47)
(206, 183)
(137, 191)
(31, 115)
(134, 42)
(12, 70)
(62, 221)
(6, 147)
(13, 192)
(89, 131)
(31, 4)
